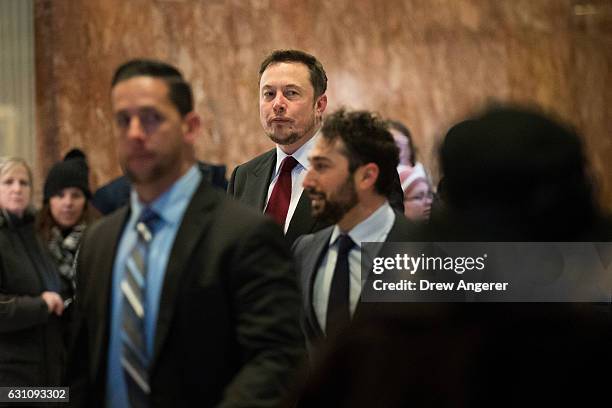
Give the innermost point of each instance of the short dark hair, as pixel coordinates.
(366, 139)
(318, 78)
(179, 91)
(403, 129)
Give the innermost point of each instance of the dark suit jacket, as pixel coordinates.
(309, 251)
(249, 184)
(31, 349)
(228, 326)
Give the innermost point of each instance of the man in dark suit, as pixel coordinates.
(352, 172)
(292, 100)
(185, 298)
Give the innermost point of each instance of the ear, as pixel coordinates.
(191, 127)
(366, 176)
(320, 105)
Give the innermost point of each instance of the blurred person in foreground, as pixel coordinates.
(31, 350)
(512, 173)
(185, 297)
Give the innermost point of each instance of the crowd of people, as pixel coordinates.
(37, 276)
(172, 287)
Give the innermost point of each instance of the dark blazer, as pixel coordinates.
(31, 348)
(228, 326)
(116, 193)
(249, 184)
(309, 251)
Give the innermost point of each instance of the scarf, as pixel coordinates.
(63, 251)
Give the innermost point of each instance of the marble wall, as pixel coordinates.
(425, 62)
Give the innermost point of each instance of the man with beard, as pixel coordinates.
(352, 172)
(185, 297)
(292, 101)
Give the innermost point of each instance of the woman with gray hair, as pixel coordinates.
(31, 351)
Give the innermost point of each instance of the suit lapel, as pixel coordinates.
(100, 283)
(311, 266)
(195, 223)
(258, 181)
(301, 221)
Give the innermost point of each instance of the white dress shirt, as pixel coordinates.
(375, 228)
(297, 175)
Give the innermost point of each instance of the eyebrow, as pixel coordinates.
(319, 158)
(146, 108)
(284, 86)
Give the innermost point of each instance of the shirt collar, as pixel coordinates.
(166, 204)
(301, 154)
(375, 228)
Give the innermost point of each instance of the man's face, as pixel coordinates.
(288, 111)
(151, 131)
(329, 184)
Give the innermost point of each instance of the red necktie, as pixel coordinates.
(278, 205)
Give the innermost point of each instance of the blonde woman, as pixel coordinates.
(30, 306)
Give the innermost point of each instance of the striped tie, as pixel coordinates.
(134, 355)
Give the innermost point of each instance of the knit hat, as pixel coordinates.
(71, 172)
(409, 174)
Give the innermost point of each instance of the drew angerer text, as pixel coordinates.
(425, 285)
(404, 263)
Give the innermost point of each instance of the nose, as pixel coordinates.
(308, 179)
(17, 187)
(280, 104)
(135, 129)
(68, 201)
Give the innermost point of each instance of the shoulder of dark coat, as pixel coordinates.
(256, 161)
(303, 243)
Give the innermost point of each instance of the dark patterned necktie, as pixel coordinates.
(134, 354)
(278, 204)
(338, 307)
